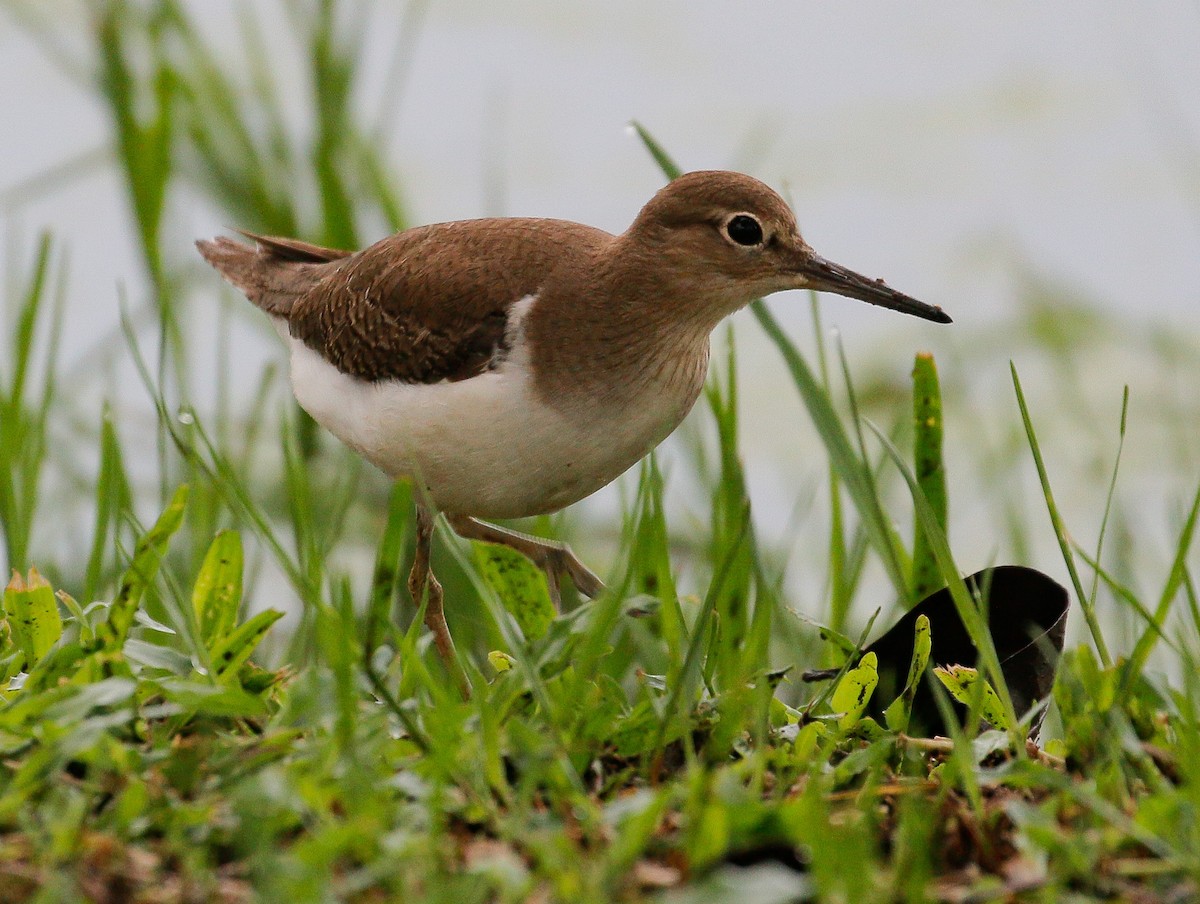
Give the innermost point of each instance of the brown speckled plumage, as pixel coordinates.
(424, 305)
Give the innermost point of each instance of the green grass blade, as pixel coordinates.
(143, 142)
(385, 578)
(1108, 499)
(113, 497)
(147, 557)
(27, 320)
(217, 592)
(232, 651)
(847, 465)
(669, 167)
(930, 470)
(684, 692)
(23, 422)
(964, 603)
(852, 470)
(843, 567)
(1175, 580)
(649, 564)
(1125, 595)
(899, 712)
(732, 538)
(332, 75)
(1060, 530)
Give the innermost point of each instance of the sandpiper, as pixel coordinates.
(511, 367)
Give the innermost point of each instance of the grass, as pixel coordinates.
(649, 745)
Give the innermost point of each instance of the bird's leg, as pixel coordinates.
(424, 587)
(554, 558)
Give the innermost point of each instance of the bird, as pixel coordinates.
(512, 366)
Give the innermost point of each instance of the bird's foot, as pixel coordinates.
(425, 588)
(553, 557)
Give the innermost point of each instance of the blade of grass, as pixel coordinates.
(23, 423)
(966, 606)
(1060, 530)
(930, 470)
(113, 498)
(1175, 580)
(1127, 596)
(1108, 499)
(853, 471)
(731, 534)
(841, 568)
(669, 167)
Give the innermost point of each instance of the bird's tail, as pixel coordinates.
(273, 273)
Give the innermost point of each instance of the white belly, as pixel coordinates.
(485, 446)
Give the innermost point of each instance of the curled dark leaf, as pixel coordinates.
(1027, 618)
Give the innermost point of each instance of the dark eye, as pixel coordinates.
(745, 230)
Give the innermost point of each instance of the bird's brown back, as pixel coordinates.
(424, 305)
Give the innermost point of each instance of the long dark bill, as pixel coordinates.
(826, 276)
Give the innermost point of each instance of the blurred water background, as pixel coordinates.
(1033, 168)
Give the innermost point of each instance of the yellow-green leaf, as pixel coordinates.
(960, 681)
(218, 589)
(807, 740)
(854, 691)
(500, 660)
(33, 615)
(898, 714)
(521, 586)
(59, 665)
(147, 556)
(235, 648)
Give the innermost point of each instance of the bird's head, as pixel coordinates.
(728, 237)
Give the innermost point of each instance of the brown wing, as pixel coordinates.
(273, 273)
(431, 303)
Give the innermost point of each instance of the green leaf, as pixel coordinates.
(521, 586)
(854, 691)
(898, 714)
(33, 615)
(929, 470)
(141, 653)
(808, 740)
(147, 556)
(639, 731)
(77, 706)
(500, 661)
(960, 681)
(234, 649)
(10, 666)
(212, 700)
(61, 663)
(218, 589)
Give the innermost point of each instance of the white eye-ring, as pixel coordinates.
(745, 230)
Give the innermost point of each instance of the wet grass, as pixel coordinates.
(648, 745)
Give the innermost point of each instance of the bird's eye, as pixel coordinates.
(744, 230)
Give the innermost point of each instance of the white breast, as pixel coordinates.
(486, 446)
